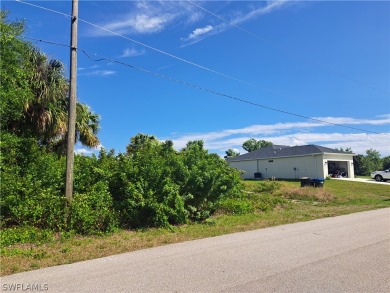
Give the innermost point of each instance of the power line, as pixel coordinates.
(45, 41)
(192, 85)
(44, 8)
(201, 66)
(151, 47)
(232, 97)
(284, 49)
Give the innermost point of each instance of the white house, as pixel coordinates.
(294, 162)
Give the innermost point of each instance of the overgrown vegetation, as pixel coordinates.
(151, 185)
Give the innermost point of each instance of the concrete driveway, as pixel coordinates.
(341, 254)
(362, 180)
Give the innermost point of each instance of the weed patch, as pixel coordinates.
(307, 194)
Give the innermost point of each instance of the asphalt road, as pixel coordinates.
(342, 254)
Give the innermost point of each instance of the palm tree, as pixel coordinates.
(87, 126)
(34, 93)
(48, 111)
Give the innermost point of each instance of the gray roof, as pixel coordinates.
(278, 151)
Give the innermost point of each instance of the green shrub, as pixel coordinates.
(43, 210)
(152, 209)
(236, 206)
(25, 234)
(268, 202)
(208, 180)
(152, 185)
(267, 186)
(93, 212)
(31, 180)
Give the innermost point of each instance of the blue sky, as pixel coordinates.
(326, 60)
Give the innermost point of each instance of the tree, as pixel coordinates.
(34, 94)
(358, 164)
(347, 150)
(230, 153)
(373, 160)
(364, 165)
(140, 141)
(252, 144)
(14, 86)
(48, 111)
(46, 114)
(386, 163)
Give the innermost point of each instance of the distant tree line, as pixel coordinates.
(372, 161)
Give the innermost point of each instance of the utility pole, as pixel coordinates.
(72, 104)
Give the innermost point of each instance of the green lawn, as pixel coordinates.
(263, 205)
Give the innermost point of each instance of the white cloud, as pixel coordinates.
(385, 119)
(132, 52)
(235, 20)
(199, 32)
(141, 23)
(147, 17)
(296, 133)
(103, 73)
(83, 151)
(87, 151)
(268, 8)
(146, 23)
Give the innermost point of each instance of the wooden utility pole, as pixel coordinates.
(72, 103)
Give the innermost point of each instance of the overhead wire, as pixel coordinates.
(282, 48)
(192, 85)
(185, 60)
(150, 47)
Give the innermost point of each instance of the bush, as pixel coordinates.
(144, 186)
(267, 202)
(93, 212)
(152, 185)
(45, 211)
(152, 209)
(267, 186)
(236, 206)
(209, 179)
(30, 183)
(25, 234)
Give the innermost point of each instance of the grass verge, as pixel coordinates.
(266, 204)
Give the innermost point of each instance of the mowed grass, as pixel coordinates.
(291, 203)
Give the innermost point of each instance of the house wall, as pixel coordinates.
(249, 167)
(288, 168)
(292, 167)
(313, 166)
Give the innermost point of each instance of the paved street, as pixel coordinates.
(342, 254)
